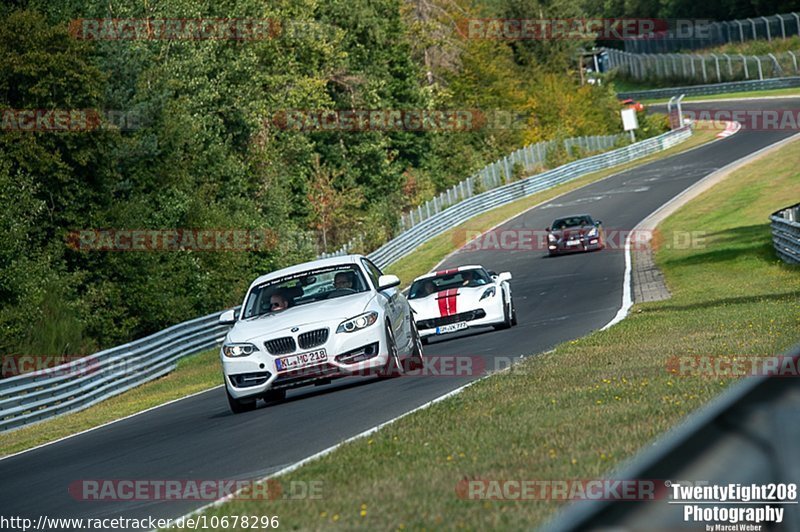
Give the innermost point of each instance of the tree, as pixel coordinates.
(331, 207)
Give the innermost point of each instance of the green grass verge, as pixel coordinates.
(426, 256)
(578, 411)
(194, 373)
(633, 86)
(756, 47)
(202, 371)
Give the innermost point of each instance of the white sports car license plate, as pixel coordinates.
(301, 360)
(453, 327)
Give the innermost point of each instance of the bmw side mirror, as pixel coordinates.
(547, 229)
(504, 276)
(228, 317)
(388, 281)
(598, 222)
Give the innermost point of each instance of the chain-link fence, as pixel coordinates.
(697, 35)
(706, 68)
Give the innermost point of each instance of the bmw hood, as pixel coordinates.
(321, 312)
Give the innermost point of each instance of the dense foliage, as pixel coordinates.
(202, 149)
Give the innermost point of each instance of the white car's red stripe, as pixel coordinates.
(447, 302)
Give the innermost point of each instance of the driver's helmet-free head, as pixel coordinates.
(344, 280)
(279, 300)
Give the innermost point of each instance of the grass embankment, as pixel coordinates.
(630, 86)
(756, 47)
(578, 411)
(202, 371)
(794, 91)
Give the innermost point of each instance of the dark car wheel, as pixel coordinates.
(507, 319)
(393, 367)
(239, 406)
(416, 361)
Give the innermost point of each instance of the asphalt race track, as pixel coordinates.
(557, 299)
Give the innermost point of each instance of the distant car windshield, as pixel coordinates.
(465, 278)
(572, 221)
(303, 288)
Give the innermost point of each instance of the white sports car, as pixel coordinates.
(313, 322)
(460, 298)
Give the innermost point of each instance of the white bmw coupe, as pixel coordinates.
(314, 322)
(452, 300)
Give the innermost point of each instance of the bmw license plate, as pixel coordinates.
(573, 242)
(301, 360)
(453, 327)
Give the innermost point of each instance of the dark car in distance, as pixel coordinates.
(578, 232)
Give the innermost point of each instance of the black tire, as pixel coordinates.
(393, 367)
(239, 406)
(417, 359)
(274, 396)
(513, 314)
(507, 323)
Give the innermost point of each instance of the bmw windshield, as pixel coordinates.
(303, 288)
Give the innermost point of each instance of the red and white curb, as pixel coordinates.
(731, 129)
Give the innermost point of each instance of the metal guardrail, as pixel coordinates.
(714, 88)
(786, 233)
(492, 176)
(407, 241)
(32, 397)
(748, 435)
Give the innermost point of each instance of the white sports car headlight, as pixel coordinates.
(489, 292)
(238, 350)
(357, 323)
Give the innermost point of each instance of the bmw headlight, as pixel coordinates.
(489, 292)
(592, 232)
(238, 350)
(357, 323)
(551, 237)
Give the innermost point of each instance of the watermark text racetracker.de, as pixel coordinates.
(605, 29)
(199, 29)
(180, 239)
(68, 120)
(733, 366)
(749, 119)
(560, 489)
(98, 490)
(414, 120)
(47, 365)
(500, 239)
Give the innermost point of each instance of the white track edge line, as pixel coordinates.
(109, 422)
(296, 465)
(680, 199)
